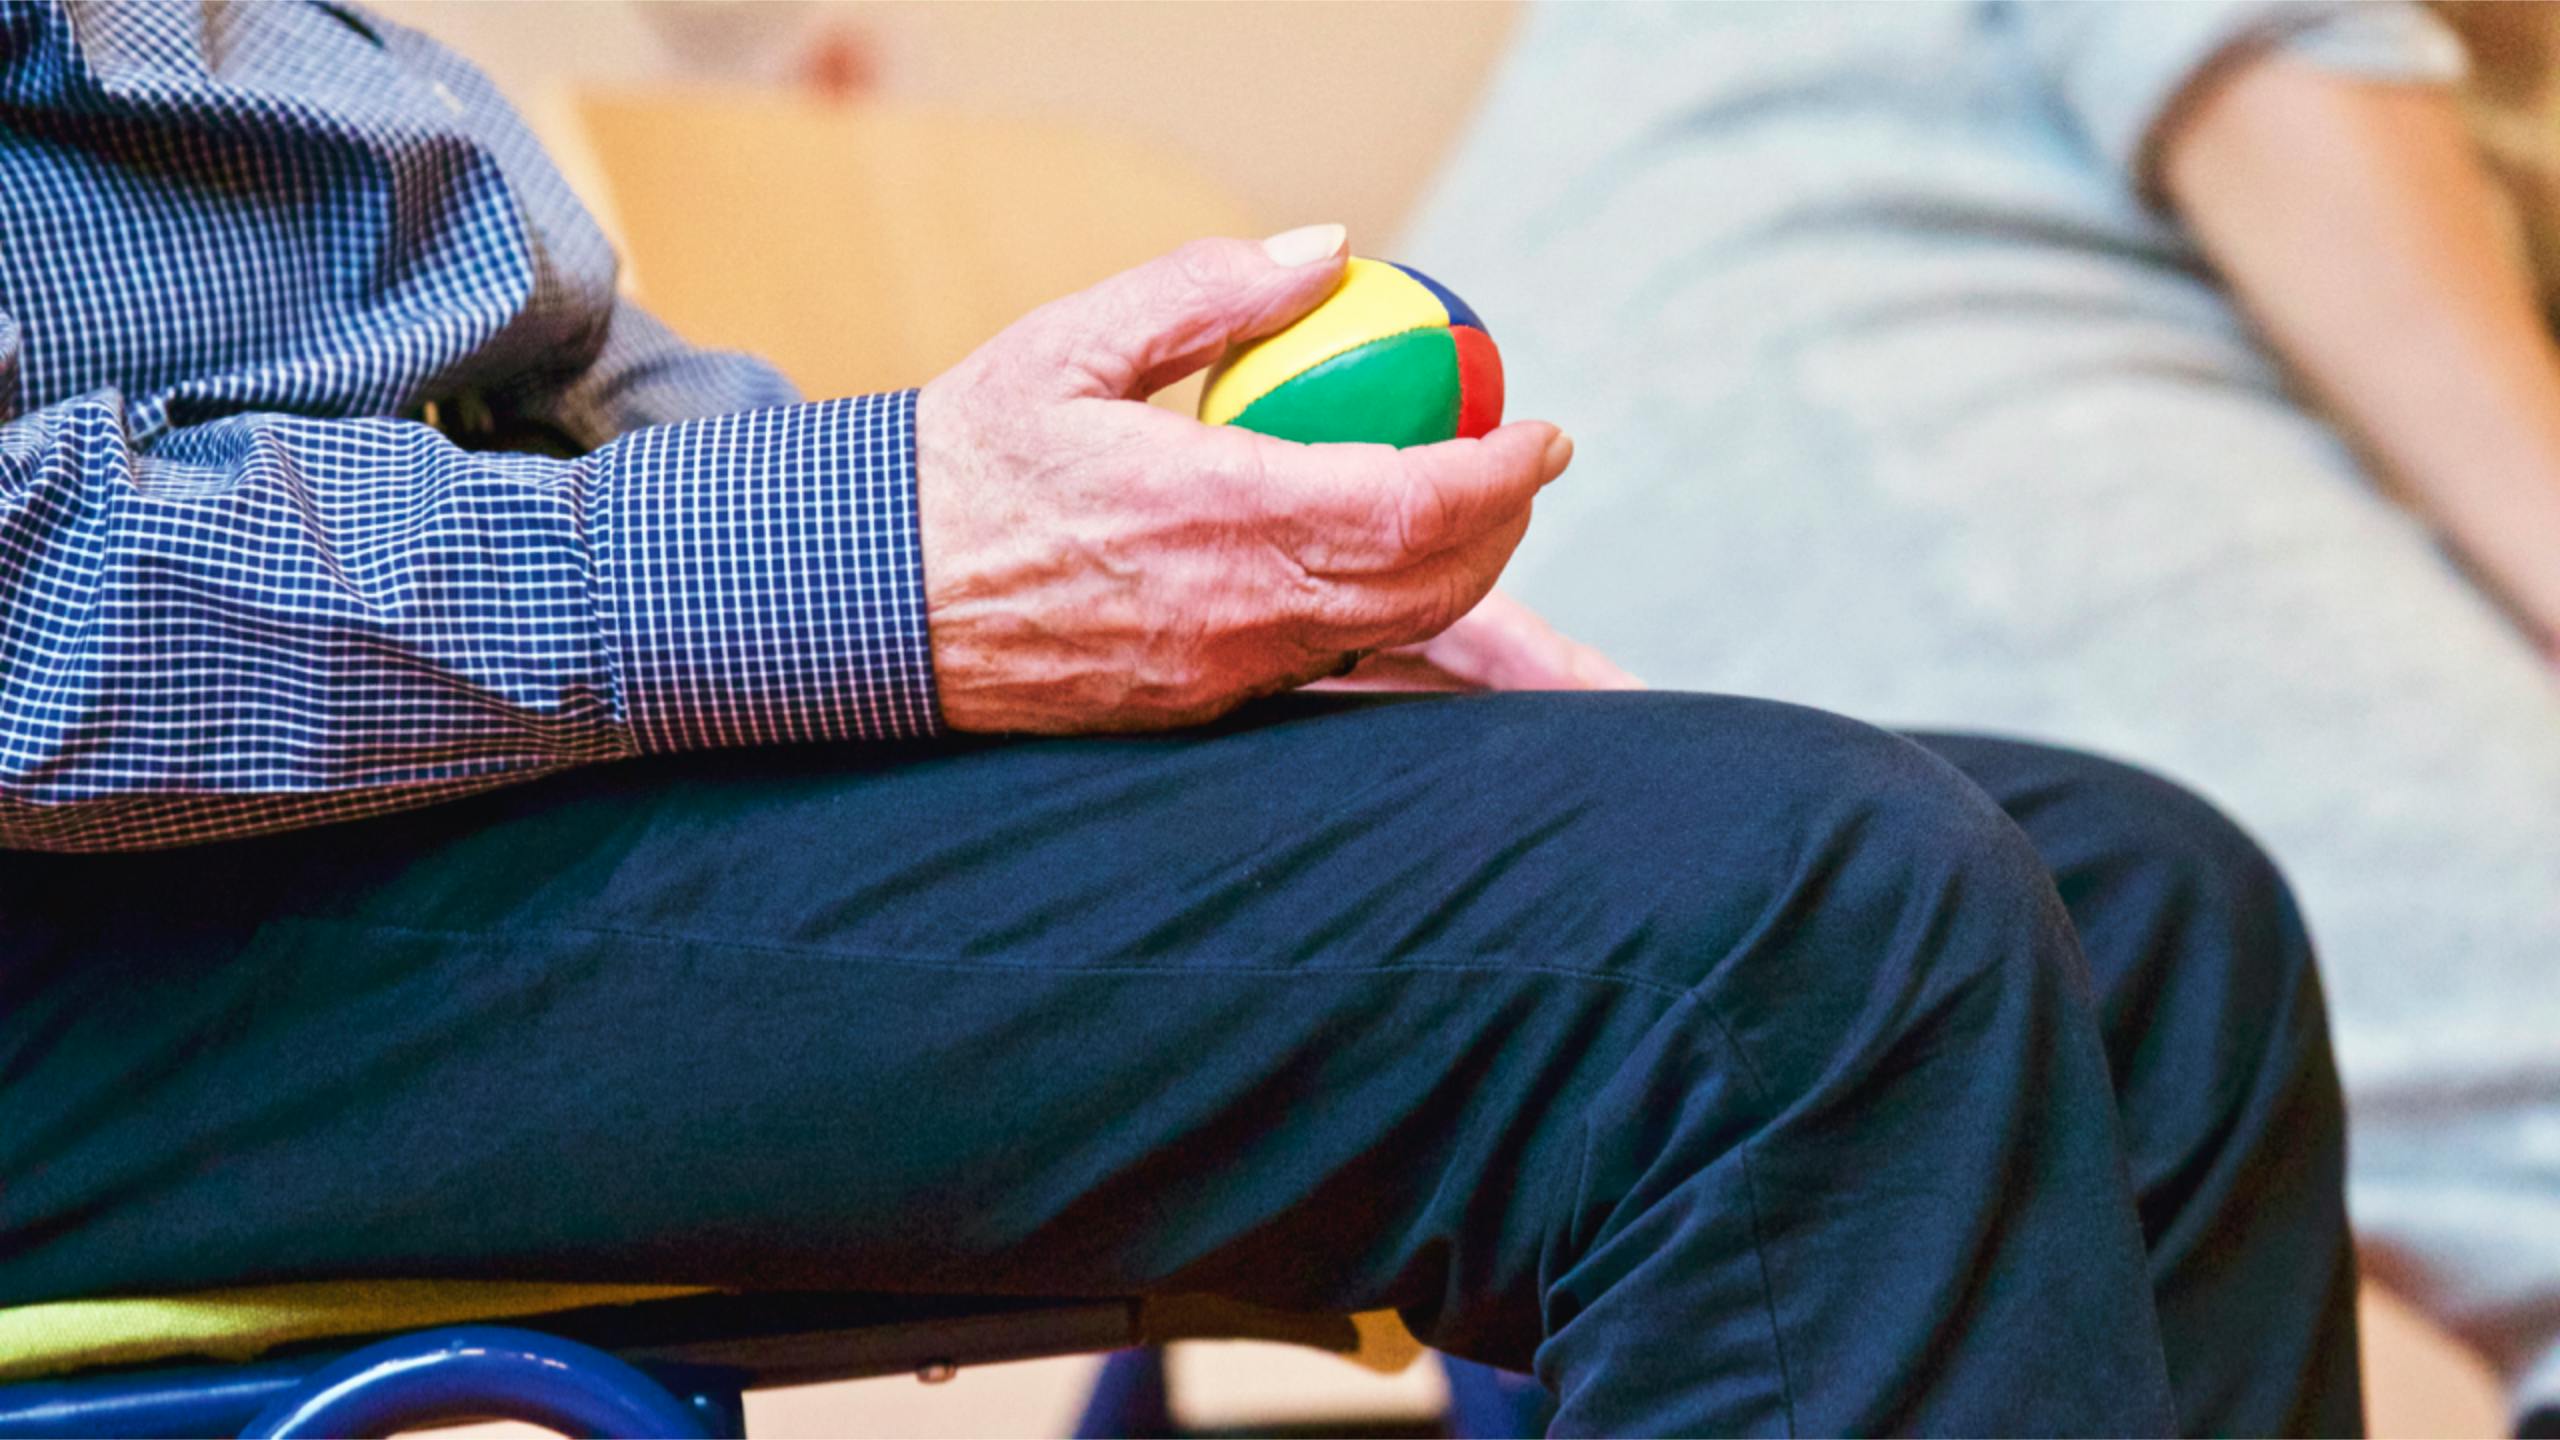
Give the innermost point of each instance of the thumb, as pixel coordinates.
(1146, 328)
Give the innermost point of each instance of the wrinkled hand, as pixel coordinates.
(1499, 645)
(1096, 563)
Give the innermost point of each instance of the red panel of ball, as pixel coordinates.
(1479, 381)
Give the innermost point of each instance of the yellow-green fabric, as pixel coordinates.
(68, 1335)
(65, 1336)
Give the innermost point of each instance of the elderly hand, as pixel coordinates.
(1499, 645)
(1095, 563)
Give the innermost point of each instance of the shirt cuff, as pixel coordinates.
(763, 577)
(2399, 44)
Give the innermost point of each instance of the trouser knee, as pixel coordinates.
(1827, 896)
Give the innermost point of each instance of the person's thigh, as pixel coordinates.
(1735, 1057)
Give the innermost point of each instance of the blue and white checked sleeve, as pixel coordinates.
(237, 594)
(266, 620)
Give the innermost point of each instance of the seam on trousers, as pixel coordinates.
(816, 952)
(1751, 1189)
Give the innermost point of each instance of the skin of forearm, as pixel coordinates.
(2358, 226)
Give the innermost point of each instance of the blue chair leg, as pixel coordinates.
(1130, 1400)
(1490, 1404)
(722, 1410)
(473, 1372)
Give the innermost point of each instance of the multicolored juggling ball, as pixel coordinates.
(1389, 357)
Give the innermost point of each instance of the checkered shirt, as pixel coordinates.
(240, 240)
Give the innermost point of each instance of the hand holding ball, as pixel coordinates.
(1389, 358)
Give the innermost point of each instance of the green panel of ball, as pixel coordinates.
(1399, 390)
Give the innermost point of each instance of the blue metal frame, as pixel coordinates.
(478, 1372)
(168, 1400)
(432, 1376)
(1132, 1399)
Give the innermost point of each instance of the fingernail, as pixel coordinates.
(1305, 245)
(1559, 455)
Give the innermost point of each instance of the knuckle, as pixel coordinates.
(1201, 264)
(1241, 472)
(1086, 353)
(1278, 519)
(1424, 520)
(1298, 597)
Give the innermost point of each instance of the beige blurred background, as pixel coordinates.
(865, 190)
(1308, 110)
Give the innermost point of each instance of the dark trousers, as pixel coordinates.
(1731, 1066)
